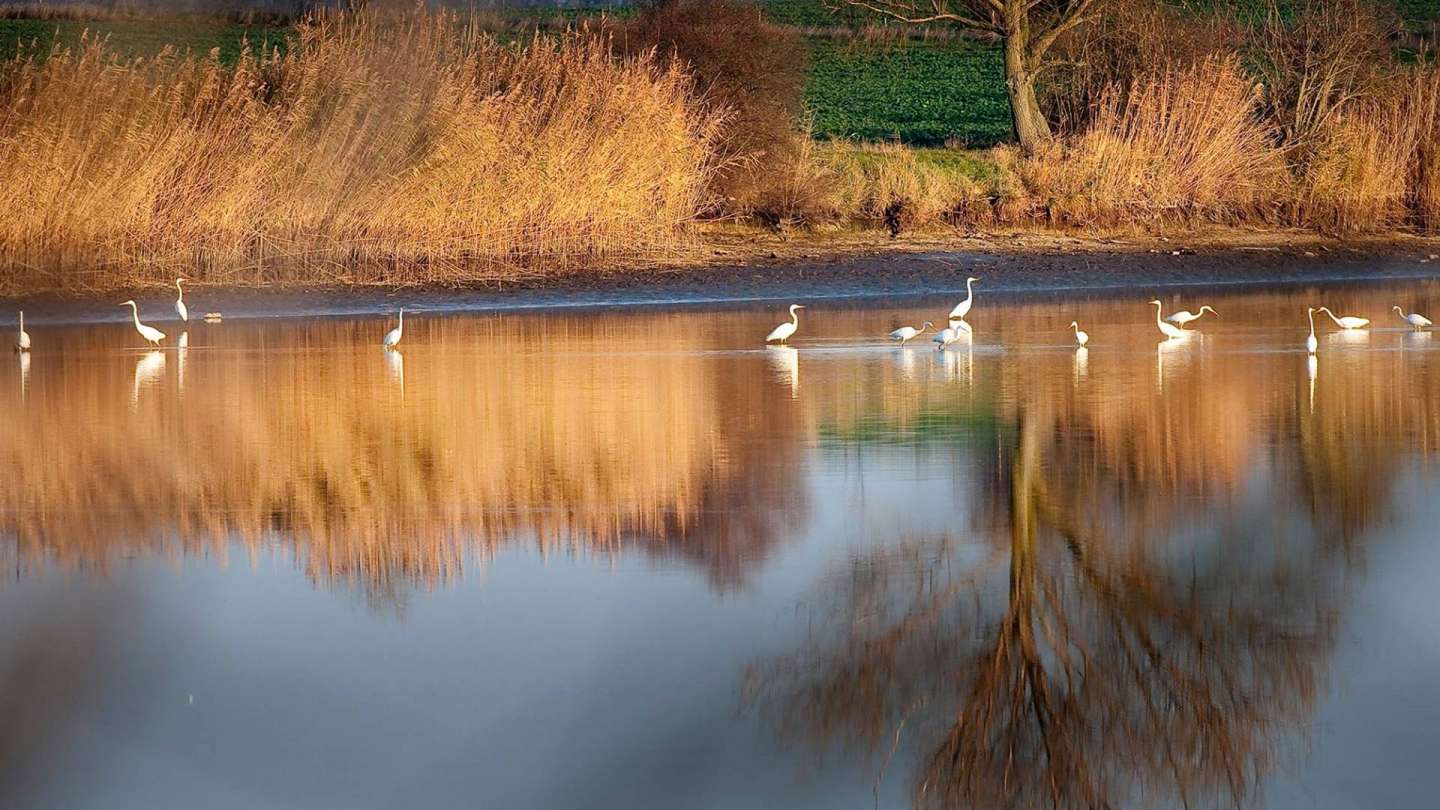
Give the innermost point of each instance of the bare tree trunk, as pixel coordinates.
(1031, 127)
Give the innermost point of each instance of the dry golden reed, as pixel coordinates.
(404, 147)
(1373, 166)
(1185, 144)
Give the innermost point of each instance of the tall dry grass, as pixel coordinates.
(1180, 144)
(399, 147)
(1374, 165)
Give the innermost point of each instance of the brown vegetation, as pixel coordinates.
(750, 75)
(377, 144)
(413, 147)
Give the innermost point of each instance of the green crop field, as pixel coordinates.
(915, 91)
(138, 37)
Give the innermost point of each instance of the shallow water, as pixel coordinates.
(633, 559)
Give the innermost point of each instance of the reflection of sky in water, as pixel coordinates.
(541, 562)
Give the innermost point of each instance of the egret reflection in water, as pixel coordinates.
(785, 361)
(148, 369)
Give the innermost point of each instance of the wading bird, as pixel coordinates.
(22, 343)
(150, 333)
(1346, 321)
(1185, 316)
(180, 302)
(392, 338)
(783, 332)
(906, 333)
(948, 336)
(1169, 330)
(963, 308)
(1415, 319)
(1081, 337)
(1311, 344)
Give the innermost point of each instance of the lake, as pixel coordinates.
(633, 558)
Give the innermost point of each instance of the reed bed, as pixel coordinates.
(405, 147)
(1184, 144)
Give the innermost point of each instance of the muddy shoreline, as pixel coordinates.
(760, 268)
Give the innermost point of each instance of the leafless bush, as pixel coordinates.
(749, 71)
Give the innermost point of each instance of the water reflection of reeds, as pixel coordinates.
(313, 442)
(594, 434)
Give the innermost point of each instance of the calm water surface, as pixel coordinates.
(634, 560)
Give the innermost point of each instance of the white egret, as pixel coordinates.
(783, 332)
(150, 333)
(1169, 330)
(947, 336)
(1185, 316)
(392, 338)
(1415, 319)
(1081, 337)
(906, 333)
(22, 343)
(963, 308)
(180, 302)
(1311, 344)
(1345, 321)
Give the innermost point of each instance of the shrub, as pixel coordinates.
(1128, 41)
(749, 71)
(1315, 57)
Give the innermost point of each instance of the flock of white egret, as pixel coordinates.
(1172, 326)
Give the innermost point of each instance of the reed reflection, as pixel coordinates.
(377, 468)
(1144, 608)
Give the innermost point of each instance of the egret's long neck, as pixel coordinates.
(969, 288)
(401, 327)
(1312, 323)
(135, 313)
(795, 316)
(1157, 314)
(179, 291)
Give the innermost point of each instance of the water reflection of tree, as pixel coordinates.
(1078, 660)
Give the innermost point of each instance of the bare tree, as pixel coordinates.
(1029, 28)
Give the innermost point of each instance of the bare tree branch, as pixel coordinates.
(910, 12)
